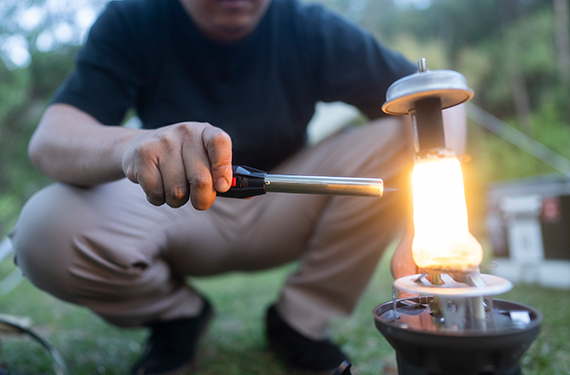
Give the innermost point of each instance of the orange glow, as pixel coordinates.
(442, 239)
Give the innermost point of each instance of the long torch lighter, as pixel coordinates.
(248, 182)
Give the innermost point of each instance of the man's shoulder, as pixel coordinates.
(134, 24)
(301, 11)
(315, 18)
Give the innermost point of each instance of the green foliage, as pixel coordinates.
(551, 129)
(24, 94)
(532, 52)
(499, 160)
(548, 354)
(475, 64)
(529, 54)
(433, 50)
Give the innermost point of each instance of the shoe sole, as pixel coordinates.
(191, 365)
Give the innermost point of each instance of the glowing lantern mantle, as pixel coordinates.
(442, 239)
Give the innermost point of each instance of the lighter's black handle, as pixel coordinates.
(246, 182)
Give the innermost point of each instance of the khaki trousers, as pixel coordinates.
(108, 249)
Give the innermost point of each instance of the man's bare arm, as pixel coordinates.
(172, 164)
(71, 146)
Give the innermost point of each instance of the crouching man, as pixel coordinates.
(134, 211)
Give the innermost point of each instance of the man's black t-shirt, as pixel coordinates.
(262, 90)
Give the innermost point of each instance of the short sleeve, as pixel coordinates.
(108, 72)
(354, 67)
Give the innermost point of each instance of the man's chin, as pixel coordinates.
(227, 20)
(236, 5)
(235, 29)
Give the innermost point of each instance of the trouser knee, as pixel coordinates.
(73, 243)
(43, 235)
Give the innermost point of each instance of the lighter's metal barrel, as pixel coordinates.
(366, 187)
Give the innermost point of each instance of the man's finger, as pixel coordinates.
(218, 145)
(150, 180)
(197, 167)
(202, 193)
(176, 189)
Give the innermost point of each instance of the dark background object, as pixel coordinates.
(554, 218)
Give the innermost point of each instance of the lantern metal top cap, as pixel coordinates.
(448, 85)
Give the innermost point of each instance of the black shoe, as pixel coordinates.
(172, 345)
(298, 350)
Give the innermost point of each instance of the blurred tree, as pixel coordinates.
(511, 52)
(528, 57)
(38, 40)
(562, 39)
(24, 94)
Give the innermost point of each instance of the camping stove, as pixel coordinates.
(454, 326)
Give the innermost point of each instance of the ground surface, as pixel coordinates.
(235, 344)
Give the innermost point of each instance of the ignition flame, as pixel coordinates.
(442, 239)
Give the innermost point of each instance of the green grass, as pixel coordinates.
(235, 344)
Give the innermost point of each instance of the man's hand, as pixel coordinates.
(172, 164)
(184, 161)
